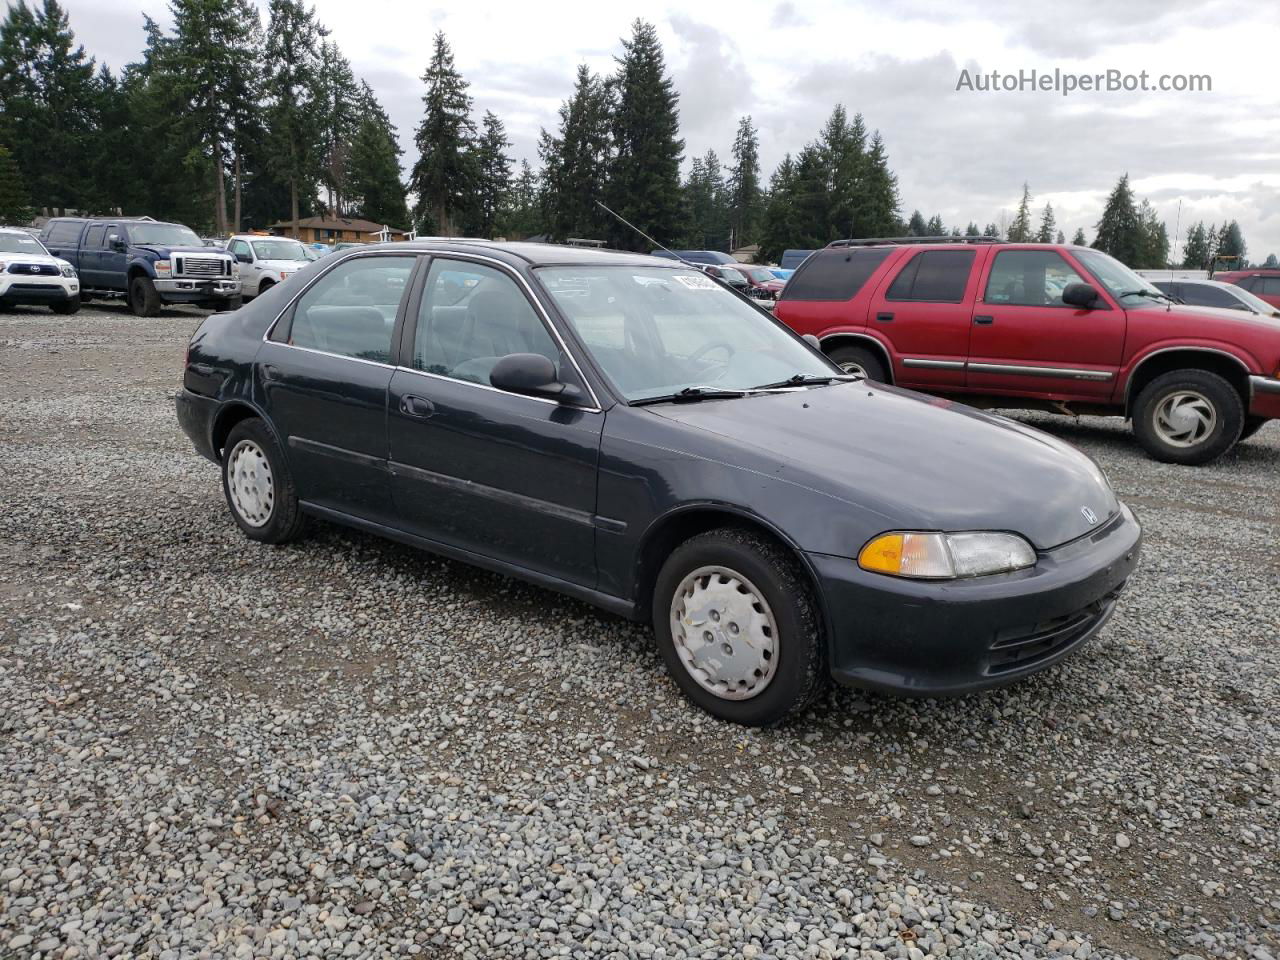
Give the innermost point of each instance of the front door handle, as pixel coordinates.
(269, 372)
(984, 321)
(884, 317)
(418, 407)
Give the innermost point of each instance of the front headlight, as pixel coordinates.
(68, 270)
(946, 556)
(163, 266)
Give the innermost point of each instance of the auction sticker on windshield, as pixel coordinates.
(696, 281)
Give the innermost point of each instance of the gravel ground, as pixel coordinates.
(346, 748)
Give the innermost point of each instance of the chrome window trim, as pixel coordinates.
(443, 254)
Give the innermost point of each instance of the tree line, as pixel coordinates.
(227, 123)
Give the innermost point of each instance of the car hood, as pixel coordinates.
(41, 258)
(1217, 315)
(288, 266)
(922, 462)
(160, 250)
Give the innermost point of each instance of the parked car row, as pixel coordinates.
(31, 275)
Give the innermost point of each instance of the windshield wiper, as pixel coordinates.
(1153, 294)
(803, 380)
(693, 394)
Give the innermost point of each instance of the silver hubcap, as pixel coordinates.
(724, 633)
(253, 489)
(1185, 418)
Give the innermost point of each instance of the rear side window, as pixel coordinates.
(934, 276)
(1270, 286)
(95, 236)
(351, 310)
(1198, 295)
(837, 273)
(63, 231)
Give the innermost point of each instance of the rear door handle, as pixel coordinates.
(418, 407)
(884, 317)
(270, 372)
(984, 321)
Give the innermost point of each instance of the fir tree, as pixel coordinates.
(744, 185)
(1271, 261)
(14, 206)
(916, 226)
(1119, 232)
(878, 206)
(645, 175)
(935, 227)
(493, 174)
(445, 177)
(1020, 229)
(1231, 241)
(1061, 238)
(373, 166)
(339, 107)
(522, 215)
(992, 230)
(576, 162)
(972, 230)
(1048, 225)
(1079, 238)
(779, 225)
(295, 118)
(1195, 252)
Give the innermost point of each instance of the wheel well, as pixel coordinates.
(226, 421)
(867, 343)
(135, 271)
(673, 530)
(1159, 364)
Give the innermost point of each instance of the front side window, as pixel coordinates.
(471, 317)
(351, 310)
(655, 331)
(240, 248)
(1122, 283)
(934, 276)
(20, 243)
(1203, 295)
(1029, 278)
(164, 234)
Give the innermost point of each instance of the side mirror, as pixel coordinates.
(115, 243)
(531, 374)
(1083, 295)
(244, 258)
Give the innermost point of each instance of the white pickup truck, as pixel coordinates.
(29, 274)
(265, 261)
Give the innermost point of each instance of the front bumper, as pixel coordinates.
(195, 416)
(924, 638)
(1265, 397)
(183, 289)
(25, 289)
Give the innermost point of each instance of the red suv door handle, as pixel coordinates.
(884, 317)
(984, 321)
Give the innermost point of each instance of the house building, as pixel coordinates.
(338, 230)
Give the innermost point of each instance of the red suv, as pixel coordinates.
(1041, 326)
(1263, 283)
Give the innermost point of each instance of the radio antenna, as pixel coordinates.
(623, 219)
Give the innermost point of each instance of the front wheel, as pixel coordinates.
(1188, 416)
(860, 362)
(71, 305)
(258, 486)
(143, 299)
(737, 624)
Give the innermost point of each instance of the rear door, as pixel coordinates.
(62, 239)
(1027, 342)
(323, 374)
(922, 309)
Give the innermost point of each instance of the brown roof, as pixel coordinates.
(336, 223)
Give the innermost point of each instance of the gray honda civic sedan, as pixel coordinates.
(628, 431)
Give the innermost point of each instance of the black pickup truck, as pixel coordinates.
(145, 260)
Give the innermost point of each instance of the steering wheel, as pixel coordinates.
(708, 347)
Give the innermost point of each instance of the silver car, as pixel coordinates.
(266, 261)
(1215, 293)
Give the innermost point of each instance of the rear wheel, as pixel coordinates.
(264, 286)
(1251, 426)
(143, 299)
(66, 306)
(859, 361)
(1188, 416)
(737, 624)
(258, 486)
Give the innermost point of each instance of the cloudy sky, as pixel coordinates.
(959, 153)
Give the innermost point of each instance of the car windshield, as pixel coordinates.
(1257, 304)
(760, 275)
(1121, 282)
(278, 250)
(656, 331)
(20, 243)
(164, 234)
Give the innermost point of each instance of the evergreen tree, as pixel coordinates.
(916, 226)
(522, 215)
(1271, 261)
(1060, 238)
(493, 175)
(645, 176)
(843, 151)
(1079, 238)
(46, 104)
(14, 207)
(576, 162)
(780, 223)
(208, 65)
(295, 117)
(972, 230)
(935, 227)
(992, 230)
(707, 203)
(374, 188)
(445, 177)
(744, 185)
(1231, 241)
(1119, 232)
(338, 102)
(1195, 252)
(1048, 225)
(1153, 239)
(1020, 230)
(811, 199)
(878, 208)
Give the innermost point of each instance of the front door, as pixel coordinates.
(324, 372)
(499, 475)
(921, 311)
(1027, 342)
(250, 272)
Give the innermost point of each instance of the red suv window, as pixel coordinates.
(934, 276)
(836, 273)
(1029, 278)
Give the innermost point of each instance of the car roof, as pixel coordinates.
(531, 254)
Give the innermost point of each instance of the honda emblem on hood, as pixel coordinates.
(1089, 515)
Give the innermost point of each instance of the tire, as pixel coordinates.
(1188, 416)
(859, 360)
(771, 591)
(263, 287)
(66, 306)
(235, 303)
(1251, 426)
(264, 503)
(143, 299)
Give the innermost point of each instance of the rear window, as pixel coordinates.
(63, 231)
(835, 274)
(935, 276)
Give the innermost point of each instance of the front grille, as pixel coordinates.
(203, 267)
(33, 287)
(34, 269)
(1020, 647)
